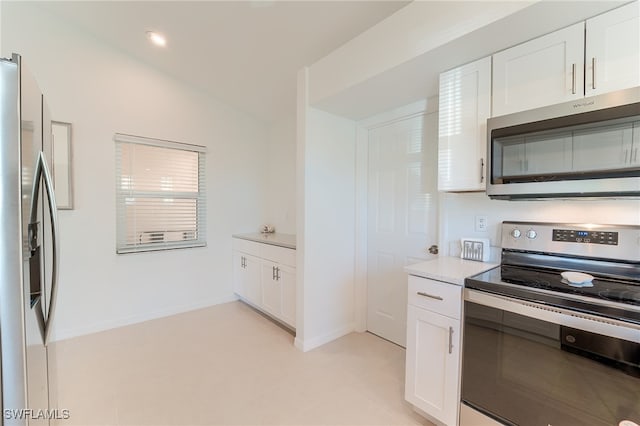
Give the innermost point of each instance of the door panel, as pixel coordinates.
(543, 71)
(432, 364)
(288, 286)
(31, 145)
(11, 256)
(402, 216)
(271, 291)
(613, 50)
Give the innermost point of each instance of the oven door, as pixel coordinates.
(527, 364)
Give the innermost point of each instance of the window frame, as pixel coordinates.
(125, 246)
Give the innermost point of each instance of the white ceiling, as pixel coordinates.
(244, 53)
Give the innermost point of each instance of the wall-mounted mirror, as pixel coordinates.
(61, 147)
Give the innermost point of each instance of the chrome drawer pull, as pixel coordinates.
(420, 293)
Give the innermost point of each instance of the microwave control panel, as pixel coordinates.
(583, 236)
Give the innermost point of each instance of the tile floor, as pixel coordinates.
(226, 365)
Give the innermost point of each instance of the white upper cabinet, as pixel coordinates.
(613, 50)
(543, 71)
(589, 58)
(464, 106)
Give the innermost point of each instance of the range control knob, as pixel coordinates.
(516, 233)
(531, 234)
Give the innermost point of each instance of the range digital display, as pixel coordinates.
(585, 237)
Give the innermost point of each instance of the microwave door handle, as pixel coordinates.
(42, 172)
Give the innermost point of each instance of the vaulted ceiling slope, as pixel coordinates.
(243, 53)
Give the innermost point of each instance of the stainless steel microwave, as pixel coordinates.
(585, 148)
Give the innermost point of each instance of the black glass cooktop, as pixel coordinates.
(613, 298)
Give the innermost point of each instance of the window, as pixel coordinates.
(160, 194)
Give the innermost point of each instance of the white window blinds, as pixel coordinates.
(160, 194)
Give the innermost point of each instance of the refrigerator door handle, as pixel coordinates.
(42, 172)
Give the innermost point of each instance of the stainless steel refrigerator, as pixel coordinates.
(28, 247)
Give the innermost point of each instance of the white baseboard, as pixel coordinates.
(314, 342)
(68, 333)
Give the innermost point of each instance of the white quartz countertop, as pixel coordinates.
(276, 239)
(448, 269)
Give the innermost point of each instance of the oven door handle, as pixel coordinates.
(556, 315)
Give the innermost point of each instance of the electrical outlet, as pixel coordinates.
(481, 223)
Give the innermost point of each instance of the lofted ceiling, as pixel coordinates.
(243, 53)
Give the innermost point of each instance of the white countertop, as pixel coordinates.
(276, 239)
(448, 269)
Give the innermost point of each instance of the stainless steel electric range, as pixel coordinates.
(552, 336)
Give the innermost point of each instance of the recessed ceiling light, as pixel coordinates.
(156, 38)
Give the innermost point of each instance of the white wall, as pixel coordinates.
(102, 91)
(458, 213)
(281, 160)
(325, 224)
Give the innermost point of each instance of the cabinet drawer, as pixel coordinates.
(246, 246)
(281, 255)
(436, 296)
(276, 254)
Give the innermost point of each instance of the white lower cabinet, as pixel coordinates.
(246, 277)
(287, 279)
(433, 348)
(264, 276)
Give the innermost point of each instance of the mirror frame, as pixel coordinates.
(61, 167)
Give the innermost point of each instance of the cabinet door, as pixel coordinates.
(613, 50)
(251, 279)
(543, 71)
(433, 364)
(464, 106)
(271, 289)
(238, 274)
(287, 277)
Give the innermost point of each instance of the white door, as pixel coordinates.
(271, 290)
(251, 279)
(432, 364)
(613, 50)
(464, 106)
(543, 71)
(287, 278)
(402, 216)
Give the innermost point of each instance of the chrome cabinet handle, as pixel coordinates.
(277, 273)
(450, 339)
(42, 172)
(573, 79)
(626, 155)
(431, 296)
(593, 73)
(481, 170)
